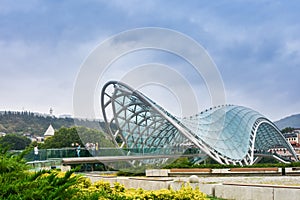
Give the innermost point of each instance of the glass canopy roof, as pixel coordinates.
(229, 134)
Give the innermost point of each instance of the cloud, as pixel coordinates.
(36, 76)
(257, 55)
(255, 45)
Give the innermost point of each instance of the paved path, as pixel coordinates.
(276, 180)
(273, 180)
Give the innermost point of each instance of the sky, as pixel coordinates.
(254, 44)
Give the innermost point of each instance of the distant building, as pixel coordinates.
(38, 139)
(297, 130)
(51, 111)
(2, 134)
(49, 132)
(293, 138)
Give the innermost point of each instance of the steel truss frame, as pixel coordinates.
(142, 124)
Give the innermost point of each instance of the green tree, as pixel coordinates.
(65, 137)
(15, 142)
(287, 130)
(34, 124)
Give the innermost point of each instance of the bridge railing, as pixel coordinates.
(48, 154)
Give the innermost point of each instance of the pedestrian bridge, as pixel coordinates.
(109, 159)
(67, 156)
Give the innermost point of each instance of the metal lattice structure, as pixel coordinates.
(229, 134)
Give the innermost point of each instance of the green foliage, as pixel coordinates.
(179, 163)
(18, 183)
(93, 135)
(268, 160)
(10, 163)
(134, 171)
(102, 190)
(215, 198)
(287, 130)
(30, 123)
(65, 137)
(14, 142)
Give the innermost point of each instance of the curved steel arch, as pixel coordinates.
(229, 134)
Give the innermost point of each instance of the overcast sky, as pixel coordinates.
(254, 44)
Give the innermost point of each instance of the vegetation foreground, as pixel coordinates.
(17, 182)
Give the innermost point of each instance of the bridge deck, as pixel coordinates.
(104, 159)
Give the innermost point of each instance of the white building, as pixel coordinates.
(49, 132)
(2, 134)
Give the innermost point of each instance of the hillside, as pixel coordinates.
(31, 123)
(290, 121)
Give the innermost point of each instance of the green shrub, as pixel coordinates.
(102, 190)
(16, 182)
(136, 171)
(179, 163)
(125, 172)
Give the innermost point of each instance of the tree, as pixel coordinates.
(287, 130)
(15, 142)
(35, 124)
(65, 137)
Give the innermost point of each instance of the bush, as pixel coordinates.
(16, 182)
(179, 163)
(102, 190)
(136, 171)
